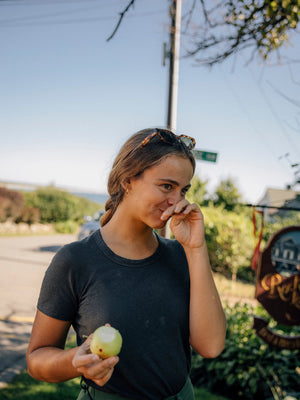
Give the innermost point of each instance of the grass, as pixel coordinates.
(23, 387)
(234, 289)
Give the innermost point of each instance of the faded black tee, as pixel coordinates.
(146, 300)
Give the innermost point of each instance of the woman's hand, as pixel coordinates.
(91, 366)
(187, 223)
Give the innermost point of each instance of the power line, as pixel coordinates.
(275, 115)
(13, 3)
(54, 14)
(72, 21)
(241, 104)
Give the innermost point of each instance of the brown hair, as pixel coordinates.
(133, 161)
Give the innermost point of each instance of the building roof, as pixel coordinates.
(278, 197)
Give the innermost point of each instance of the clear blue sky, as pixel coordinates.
(69, 99)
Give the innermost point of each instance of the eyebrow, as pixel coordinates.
(173, 182)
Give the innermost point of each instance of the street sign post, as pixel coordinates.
(205, 155)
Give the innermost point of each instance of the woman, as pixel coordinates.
(158, 293)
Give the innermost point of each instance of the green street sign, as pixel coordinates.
(205, 155)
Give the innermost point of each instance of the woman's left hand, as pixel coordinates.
(187, 223)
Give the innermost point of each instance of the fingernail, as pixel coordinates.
(111, 361)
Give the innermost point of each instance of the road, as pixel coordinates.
(23, 262)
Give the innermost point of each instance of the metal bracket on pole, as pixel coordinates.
(166, 53)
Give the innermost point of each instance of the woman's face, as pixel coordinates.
(158, 188)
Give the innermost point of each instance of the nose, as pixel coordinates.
(174, 198)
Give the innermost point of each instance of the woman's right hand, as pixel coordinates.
(91, 366)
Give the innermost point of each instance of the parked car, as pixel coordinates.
(92, 224)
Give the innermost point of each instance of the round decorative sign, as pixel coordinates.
(278, 285)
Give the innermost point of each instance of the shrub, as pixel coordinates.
(66, 226)
(30, 215)
(248, 368)
(230, 242)
(278, 223)
(11, 204)
(55, 205)
(84, 207)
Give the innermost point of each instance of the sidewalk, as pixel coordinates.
(14, 338)
(23, 262)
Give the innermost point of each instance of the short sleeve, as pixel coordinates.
(58, 297)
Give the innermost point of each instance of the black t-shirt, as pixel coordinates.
(146, 300)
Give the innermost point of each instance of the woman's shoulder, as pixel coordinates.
(167, 241)
(76, 250)
(170, 244)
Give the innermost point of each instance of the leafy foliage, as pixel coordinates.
(232, 26)
(228, 228)
(227, 195)
(59, 206)
(197, 192)
(11, 204)
(247, 368)
(224, 28)
(278, 223)
(230, 242)
(54, 205)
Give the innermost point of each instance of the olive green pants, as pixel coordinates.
(186, 393)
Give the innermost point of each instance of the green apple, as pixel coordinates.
(106, 342)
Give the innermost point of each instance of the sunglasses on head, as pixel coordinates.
(169, 138)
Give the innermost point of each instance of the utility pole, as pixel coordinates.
(175, 14)
(173, 55)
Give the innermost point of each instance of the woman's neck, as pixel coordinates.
(127, 239)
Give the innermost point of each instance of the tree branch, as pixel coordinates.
(130, 4)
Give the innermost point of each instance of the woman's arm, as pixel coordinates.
(48, 361)
(207, 318)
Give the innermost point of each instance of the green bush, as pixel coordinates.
(248, 368)
(59, 206)
(230, 242)
(66, 226)
(84, 207)
(55, 205)
(277, 224)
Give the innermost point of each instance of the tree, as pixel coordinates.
(232, 26)
(227, 195)
(225, 28)
(197, 192)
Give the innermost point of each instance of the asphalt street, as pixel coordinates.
(23, 262)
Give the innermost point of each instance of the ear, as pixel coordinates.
(126, 184)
